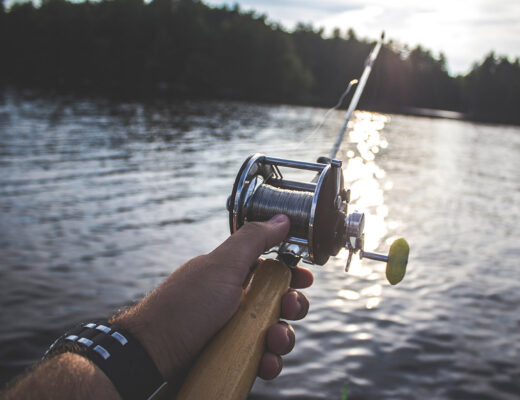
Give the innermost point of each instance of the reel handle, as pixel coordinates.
(227, 367)
(396, 260)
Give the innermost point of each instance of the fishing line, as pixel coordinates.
(321, 224)
(269, 200)
(316, 130)
(337, 106)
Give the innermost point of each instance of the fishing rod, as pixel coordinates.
(321, 226)
(371, 59)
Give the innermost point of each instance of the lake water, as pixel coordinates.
(100, 201)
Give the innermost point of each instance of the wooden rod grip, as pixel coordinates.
(227, 367)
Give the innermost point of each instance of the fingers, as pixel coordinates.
(301, 278)
(270, 366)
(280, 338)
(255, 237)
(280, 341)
(245, 246)
(294, 305)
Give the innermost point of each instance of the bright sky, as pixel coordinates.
(465, 30)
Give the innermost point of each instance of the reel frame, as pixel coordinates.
(329, 203)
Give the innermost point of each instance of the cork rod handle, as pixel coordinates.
(227, 367)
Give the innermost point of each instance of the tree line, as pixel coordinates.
(186, 49)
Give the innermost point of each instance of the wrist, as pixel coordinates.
(115, 351)
(150, 337)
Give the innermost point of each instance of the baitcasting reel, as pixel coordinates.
(320, 223)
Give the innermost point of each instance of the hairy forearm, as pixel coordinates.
(176, 320)
(66, 376)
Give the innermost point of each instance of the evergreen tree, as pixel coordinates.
(187, 49)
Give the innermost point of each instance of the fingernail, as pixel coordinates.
(280, 366)
(279, 219)
(292, 338)
(300, 314)
(299, 306)
(303, 306)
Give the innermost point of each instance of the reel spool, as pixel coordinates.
(320, 223)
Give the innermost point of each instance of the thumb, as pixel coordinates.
(245, 246)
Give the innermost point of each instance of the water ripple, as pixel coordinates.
(101, 201)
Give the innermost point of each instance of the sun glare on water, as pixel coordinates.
(365, 178)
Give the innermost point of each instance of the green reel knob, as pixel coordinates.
(397, 261)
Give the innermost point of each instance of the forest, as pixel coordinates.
(186, 49)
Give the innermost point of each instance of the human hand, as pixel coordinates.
(178, 318)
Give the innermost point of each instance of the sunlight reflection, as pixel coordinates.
(363, 336)
(373, 276)
(373, 302)
(364, 177)
(372, 291)
(393, 225)
(349, 294)
(338, 303)
(351, 328)
(357, 351)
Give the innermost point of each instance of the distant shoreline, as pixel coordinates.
(31, 93)
(186, 49)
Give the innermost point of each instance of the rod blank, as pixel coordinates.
(357, 95)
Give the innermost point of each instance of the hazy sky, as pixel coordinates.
(465, 30)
